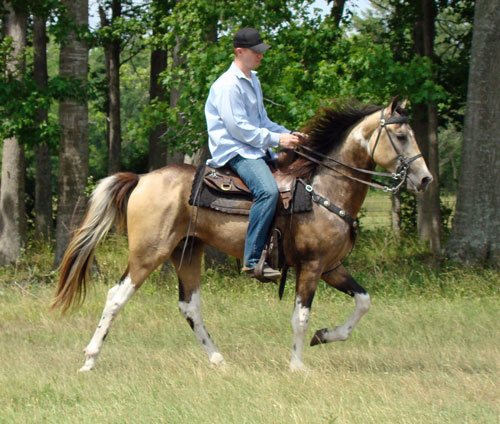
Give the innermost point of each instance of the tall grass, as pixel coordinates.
(427, 352)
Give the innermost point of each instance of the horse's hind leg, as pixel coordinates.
(343, 281)
(189, 273)
(116, 299)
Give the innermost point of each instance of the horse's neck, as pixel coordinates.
(337, 187)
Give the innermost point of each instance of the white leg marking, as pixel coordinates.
(192, 312)
(342, 332)
(300, 321)
(116, 299)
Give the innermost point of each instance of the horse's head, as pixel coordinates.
(393, 146)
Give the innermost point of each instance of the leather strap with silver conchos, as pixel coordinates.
(352, 222)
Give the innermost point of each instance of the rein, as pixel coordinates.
(401, 171)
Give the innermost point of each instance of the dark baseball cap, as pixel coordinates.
(250, 39)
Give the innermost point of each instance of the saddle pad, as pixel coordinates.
(237, 203)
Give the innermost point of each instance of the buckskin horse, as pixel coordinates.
(336, 164)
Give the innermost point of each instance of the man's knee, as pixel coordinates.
(268, 192)
(275, 194)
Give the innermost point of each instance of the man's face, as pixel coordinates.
(249, 58)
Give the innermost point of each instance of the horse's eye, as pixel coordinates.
(401, 138)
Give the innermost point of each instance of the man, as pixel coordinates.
(241, 135)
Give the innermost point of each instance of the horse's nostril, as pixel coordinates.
(425, 182)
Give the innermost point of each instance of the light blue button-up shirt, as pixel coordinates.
(237, 122)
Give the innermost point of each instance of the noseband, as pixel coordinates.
(401, 171)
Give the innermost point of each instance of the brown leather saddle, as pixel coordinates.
(225, 180)
(223, 190)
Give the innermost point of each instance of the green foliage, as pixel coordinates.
(408, 212)
(453, 46)
(21, 99)
(370, 58)
(450, 143)
(311, 62)
(393, 25)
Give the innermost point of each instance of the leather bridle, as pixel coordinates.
(404, 162)
(401, 171)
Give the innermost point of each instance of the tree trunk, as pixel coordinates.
(12, 213)
(157, 149)
(112, 53)
(73, 119)
(43, 173)
(213, 257)
(396, 214)
(475, 236)
(202, 154)
(429, 221)
(337, 11)
(175, 94)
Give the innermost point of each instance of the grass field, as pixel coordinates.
(427, 352)
(410, 361)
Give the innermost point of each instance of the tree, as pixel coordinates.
(429, 222)
(12, 212)
(475, 236)
(178, 61)
(337, 10)
(157, 93)
(433, 34)
(43, 179)
(112, 49)
(73, 119)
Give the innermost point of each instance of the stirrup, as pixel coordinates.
(263, 272)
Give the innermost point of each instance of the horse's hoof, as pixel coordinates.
(85, 368)
(319, 337)
(89, 364)
(217, 359)
(299, 367)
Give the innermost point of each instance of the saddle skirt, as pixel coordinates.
(223, 190)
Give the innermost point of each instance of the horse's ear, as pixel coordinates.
(403, 104)
(394, 104)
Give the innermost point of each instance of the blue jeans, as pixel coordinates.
(259, 179)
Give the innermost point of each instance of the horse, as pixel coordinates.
(336, 163)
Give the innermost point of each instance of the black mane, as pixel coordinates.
(326, 131)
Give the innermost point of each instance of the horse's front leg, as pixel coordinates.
(307, 282)
(343, 281)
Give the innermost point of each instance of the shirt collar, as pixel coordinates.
(239, 73)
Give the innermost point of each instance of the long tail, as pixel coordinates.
(107, 206)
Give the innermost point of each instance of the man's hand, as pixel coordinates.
(288, 141)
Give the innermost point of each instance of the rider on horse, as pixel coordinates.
(241, 135)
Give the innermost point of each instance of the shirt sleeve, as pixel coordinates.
(234, 116)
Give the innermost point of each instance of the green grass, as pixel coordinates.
(427, 352)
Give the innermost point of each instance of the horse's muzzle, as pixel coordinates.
(419, 183)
